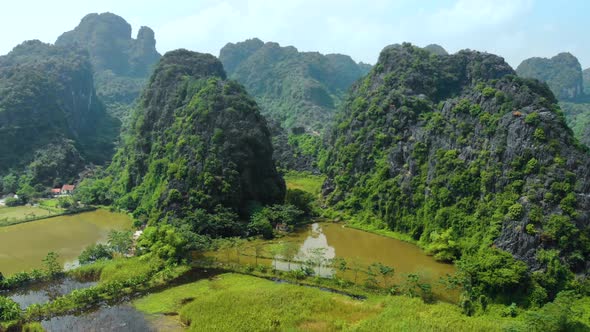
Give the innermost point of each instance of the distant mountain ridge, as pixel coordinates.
(121, 64)
(563, 74)
(298, 89)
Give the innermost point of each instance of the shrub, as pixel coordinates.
(515, 211)
(532, 119)
(95, 252)
(488, 92)
(9, 310)
(539, 134)
(12, 202)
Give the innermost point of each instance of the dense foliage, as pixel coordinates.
(51, 121)
(198, 155)
(562, 73)
(465, 157)
(121, 64)
(299, 89)
(577, 115)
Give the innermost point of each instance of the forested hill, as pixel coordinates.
(467, 158)
(569, 83)
(298, 89)
(51, 121)
(198, 152)
(562, 73)
(122, 65)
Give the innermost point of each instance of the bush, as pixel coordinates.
(515, 211)
(12, 202)
(555, 316)
(532, 119)
(302, 200)
(539, 134)
(9, 310)
(260, 225)
(95, 252)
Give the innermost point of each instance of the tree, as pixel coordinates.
(259, 224)
(121, 241)
(275, 250)
(10, 183)
(95, 252)
(165, 241)
(238, 245)
(340, 263)
(258, 250)
(302, 200)
(52, 266)
(288, 251)
(318, 257)
(386, 273)
(356, 267)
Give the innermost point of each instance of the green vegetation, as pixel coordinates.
(119, 243)
(200, 164)
(577, 115)
(304, 181)
(18, 214)
(459, 188)
(562, 73)
(121, 64)
(234, 302)
(39, 82)
(257, 304)
(299, 89)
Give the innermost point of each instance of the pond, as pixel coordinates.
(40, 293)
(23, 246)
(326, 241)
(364, 248)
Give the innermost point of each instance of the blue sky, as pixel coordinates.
(514, 29)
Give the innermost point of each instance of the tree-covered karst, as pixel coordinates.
(51, 121)
(295, 149)
(298, 89)
(562, 73)
(198, 152)
(577, 115)
(472, 161)
(121, 64)
(436, 49)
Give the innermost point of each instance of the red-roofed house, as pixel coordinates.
(67, 189)
(55, 191)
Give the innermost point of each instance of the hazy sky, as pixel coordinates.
(514, 29)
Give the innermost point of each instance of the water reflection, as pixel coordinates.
(45, 292)
(115, 318)
(324, 242)
(314, 253)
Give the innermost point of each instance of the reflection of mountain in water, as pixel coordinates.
(315, 240)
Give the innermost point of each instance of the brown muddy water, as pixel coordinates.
(23, 246)
(360, 249)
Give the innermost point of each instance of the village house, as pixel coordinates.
(55, 192)
(67, 189)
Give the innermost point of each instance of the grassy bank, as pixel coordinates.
(22, 214)
(304, 181)
(234, 302)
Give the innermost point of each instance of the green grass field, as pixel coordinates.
(17, 214)
(304, 181)
(234, 302)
